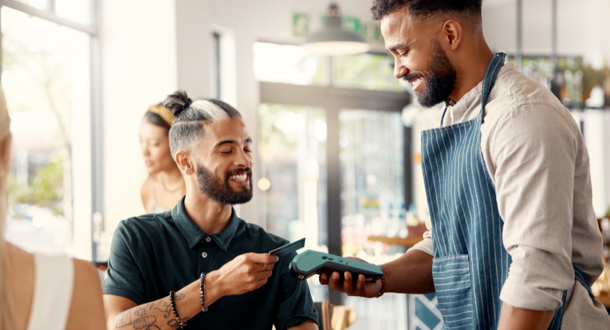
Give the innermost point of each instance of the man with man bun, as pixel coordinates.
(513, 241)
(199, 266)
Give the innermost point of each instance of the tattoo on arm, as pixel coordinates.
(167, 309)
(146, 323)
(174, 323)
(124, 319)
(140, 311)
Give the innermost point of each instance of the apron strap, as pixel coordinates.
(493, 68)
(580, 276)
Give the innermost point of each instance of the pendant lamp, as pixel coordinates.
(334, 39)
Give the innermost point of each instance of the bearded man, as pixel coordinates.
(513, 241)
(200, 252)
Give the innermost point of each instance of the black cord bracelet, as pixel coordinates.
(181, 323)
(201, 290)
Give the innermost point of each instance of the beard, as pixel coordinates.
(219, 190)
(440, 80)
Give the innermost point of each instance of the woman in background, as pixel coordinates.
(164, 186)
(39, 291)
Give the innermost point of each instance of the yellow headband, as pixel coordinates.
(163, 112)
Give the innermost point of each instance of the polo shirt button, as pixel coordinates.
(208, 239)
(205, 254)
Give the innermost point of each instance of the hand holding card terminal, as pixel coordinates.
(311, 262)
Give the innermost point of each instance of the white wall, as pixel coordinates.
(138, 69)
(581, 27)
(597, 137)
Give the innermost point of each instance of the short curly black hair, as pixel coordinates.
(427, 8)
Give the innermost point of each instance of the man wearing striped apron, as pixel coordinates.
(513, 241)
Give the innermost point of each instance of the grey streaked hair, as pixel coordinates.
(188, 126)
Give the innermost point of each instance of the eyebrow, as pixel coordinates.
(248, 140)
(393, 48)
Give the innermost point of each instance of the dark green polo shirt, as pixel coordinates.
(155, 253)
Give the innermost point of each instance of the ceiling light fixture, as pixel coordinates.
(334, 39)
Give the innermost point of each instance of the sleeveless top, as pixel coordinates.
(53, 285)
(156, 208)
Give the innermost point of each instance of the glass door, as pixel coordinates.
(372, 197)
(292, 171)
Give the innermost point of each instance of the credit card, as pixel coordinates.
(288, 248)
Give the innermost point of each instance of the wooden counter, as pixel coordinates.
(409, 241)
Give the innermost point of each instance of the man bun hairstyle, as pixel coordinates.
(427, 8)
(188, 128)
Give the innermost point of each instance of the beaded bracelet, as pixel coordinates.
(201, 288)
(382, 286)
(181, 323)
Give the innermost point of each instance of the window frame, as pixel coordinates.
(88, 248)
(333, 100)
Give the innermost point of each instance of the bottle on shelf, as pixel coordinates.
(557, 82)
(402, 223)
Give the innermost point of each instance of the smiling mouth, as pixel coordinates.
(415, 79)
(239, 177)
(416, 82)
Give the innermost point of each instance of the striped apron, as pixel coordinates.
(470, 263)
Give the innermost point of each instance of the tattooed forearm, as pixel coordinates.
(124, 319)
(148, 316)
(147, 322)
(166, 309)
(174, 324)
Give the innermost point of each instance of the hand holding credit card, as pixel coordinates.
(288, 248)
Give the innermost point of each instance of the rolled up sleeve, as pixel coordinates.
(426, 244)
(533, 154)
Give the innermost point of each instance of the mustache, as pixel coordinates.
(412, 76)
(246, 170)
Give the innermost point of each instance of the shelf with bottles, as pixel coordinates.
(380, 229)
(573, 81)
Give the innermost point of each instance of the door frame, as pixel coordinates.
(333, 99)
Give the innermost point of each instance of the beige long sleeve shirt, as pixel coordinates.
(537, 159)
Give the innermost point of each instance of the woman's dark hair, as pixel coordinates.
(188, 126)
(156, 120)
(427, 8)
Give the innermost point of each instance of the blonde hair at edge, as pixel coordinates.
(6, 300)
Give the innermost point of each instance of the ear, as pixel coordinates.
(185, 162)
(451, 34)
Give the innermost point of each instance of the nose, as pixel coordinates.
(144, 148)
(399, 69)
(244, 159)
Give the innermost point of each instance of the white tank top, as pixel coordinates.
(53, 287)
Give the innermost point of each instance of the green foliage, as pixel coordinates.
(591, 78)
(45, 189)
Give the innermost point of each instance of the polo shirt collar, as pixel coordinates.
(194, 234)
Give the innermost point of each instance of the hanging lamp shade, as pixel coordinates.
(334, 39)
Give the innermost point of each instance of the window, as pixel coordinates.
(289, 64)
(47, 80)
(331, 157)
